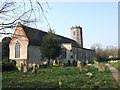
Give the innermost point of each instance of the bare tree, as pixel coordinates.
(25, 11)
(105, 54)
(96, 46)
(112, 51)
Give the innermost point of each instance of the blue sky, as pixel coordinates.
(99, 21)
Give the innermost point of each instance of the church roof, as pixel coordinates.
(35, 37)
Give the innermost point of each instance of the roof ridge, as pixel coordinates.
(32, 28)
(46, 32)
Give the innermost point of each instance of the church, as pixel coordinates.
(26, 41)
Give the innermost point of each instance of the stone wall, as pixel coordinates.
(34, 55)
(68, 48)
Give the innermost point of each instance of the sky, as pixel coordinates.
(99, 21)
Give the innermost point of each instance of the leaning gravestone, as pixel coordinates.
(101, 67)
(18, 66)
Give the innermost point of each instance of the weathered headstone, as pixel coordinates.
(25, 68)
(54, 63)
(95, 64)
(80, 68)
(89, 74)
(62, 65)
(101, 67)
(38, 65)
(18, 65)
(78, 63)
(30, 66)
(60, 83)
(87, 62)
(87, 67)
(34, 68)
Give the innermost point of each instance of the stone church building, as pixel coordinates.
(25, 46)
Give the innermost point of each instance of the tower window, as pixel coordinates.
(73, 32)
(64, 53)
(17, 50)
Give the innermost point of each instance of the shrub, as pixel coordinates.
(10, 66)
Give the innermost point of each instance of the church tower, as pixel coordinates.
(76, 34)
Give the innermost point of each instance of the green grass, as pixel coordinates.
(116, 65)
(50, 76)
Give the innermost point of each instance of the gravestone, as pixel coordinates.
(96, 64)
(78, 63)
(87, 62)
(87, 67)
(54, 63)
(18, 66)
(30, 66)
(24, 68)
(80, 68)
(34, 68)
(101, 67)
(62, 65)
(38, 66)
(60, 83)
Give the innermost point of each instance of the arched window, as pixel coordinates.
(64, 53)
(17, 50)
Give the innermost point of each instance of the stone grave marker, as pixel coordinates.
(95, 64)
(24, 68)
(54, 63)
(78, 63)
(30, 66)
(34, 68)
(101, 67)
(87, 67)
(80, 67)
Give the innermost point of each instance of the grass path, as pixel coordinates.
(116, 65)
(115, 73)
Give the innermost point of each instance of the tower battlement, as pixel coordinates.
(76, 34)
(74, 27)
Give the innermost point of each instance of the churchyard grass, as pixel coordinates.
(49, 77)
(116, 64)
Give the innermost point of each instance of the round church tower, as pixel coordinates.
(76, 34)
